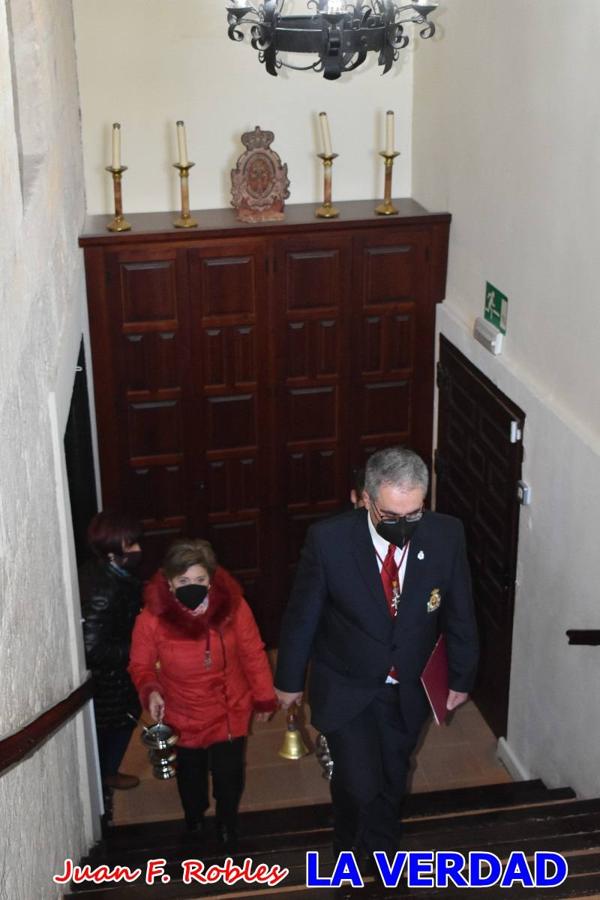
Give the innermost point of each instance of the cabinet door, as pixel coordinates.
(140, 344)
(310, 377)
(392, 342)
(228, 416)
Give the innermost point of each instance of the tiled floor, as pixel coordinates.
(460, 754)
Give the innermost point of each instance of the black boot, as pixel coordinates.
(194, 826)
(227, 833)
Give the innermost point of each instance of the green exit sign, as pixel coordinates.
(496, 307)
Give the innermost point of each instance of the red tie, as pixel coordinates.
(389, 579)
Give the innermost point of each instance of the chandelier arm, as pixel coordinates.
(261, 37)
(236, 23)
(354, 59)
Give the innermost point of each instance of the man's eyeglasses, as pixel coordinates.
(410, 518)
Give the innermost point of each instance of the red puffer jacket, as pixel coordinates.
(211, 670)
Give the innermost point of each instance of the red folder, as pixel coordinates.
(435, 680)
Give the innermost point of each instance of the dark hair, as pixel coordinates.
(186, 552)
(109, 532)
(358, 480)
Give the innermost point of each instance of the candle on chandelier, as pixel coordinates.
(389, 132)
(325, 134)
(182, 144)
(116, 146)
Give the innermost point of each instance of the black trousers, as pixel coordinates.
(371, 759)
(226, 763)
(112, 744)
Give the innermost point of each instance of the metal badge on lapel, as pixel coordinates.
(434, 601)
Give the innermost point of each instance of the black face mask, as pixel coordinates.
(396, 532)
(129, 561)
(191, 595)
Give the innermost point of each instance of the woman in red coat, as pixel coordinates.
(197, 659)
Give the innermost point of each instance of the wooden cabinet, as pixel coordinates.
(241, 372)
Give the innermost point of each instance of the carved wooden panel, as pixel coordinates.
(312, 414)
(148, 291)
(230, 356)
(151, 362)
(313, 279)
(312, 348)
(313, 478)
(232, 485)
(157, 492)
(227, 285)
(391, 272)
(154, 428)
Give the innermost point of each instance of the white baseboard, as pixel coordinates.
(511, 762)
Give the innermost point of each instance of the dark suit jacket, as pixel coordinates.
(338, 615)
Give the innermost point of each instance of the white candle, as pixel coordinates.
(325, 134)
(182, 143)
(389, 132)
(116, 146)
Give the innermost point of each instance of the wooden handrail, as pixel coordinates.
(18, 746)
(589, 637)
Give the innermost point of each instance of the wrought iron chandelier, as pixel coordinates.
(340, 32)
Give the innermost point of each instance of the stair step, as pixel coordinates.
(516, 793)
(501, 819)
(319, 816)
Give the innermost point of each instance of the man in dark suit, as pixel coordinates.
(373, 590)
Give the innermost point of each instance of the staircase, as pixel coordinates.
(502, 818)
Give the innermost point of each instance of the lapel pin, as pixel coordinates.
(420, 555)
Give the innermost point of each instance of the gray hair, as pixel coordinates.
(398, 466)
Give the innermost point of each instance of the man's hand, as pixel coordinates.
(287, 699)
(262, 716)
(455, 698)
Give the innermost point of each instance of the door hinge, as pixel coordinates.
(515, 432)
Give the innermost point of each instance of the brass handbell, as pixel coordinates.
(293, 746)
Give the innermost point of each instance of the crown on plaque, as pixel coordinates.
(258, 139)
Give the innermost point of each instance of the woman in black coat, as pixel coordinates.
(110, 601)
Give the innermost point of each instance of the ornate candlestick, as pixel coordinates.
(119, 223)
(387, 208)
(327, 210)
(185, 220)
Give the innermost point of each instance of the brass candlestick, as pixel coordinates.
(119, 223)
(185, 220)
(387, 208)
(327, 210)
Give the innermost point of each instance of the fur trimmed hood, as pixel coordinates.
(223, 597)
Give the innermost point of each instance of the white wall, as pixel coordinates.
(506, 138)
(41, 296)
(147, 63)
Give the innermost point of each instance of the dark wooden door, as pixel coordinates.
(392, 343)
(310, 368)
(478, 467)
(141, 336)
(229, 418)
